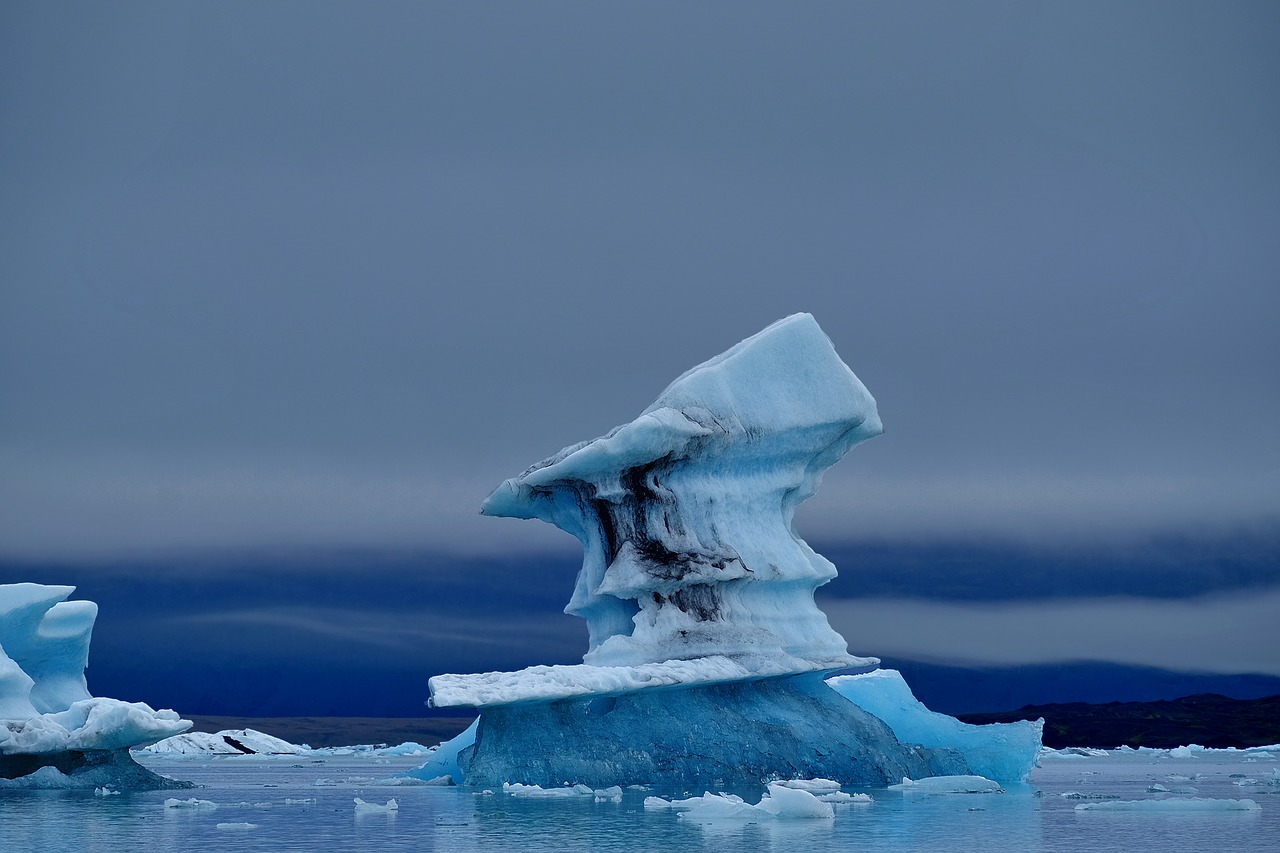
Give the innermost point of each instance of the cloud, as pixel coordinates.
(366, 632)
(261, 289)
(1212, 634)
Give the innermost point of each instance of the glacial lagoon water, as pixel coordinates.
(301, 803)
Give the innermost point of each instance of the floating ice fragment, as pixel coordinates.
(843, 798)
(237, 825)
(228, 742)
(600, 795)
(414, 782)
(190, 803)
(105, 792)
(780, 802)
(1076, 795)
(948, 785)
(303, 801)
(813, 786)
(1172, 804)
(389, 806)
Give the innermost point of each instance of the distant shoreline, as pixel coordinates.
(340, 731)
(1206, 719)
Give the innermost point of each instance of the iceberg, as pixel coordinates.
(706, 653)
(227, 742)
(53, 733)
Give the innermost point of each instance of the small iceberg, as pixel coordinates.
(190, 803)
(612, 794)
(369, 808)
(948, 785)
(781, 802)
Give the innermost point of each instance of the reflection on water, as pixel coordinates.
(309, 805)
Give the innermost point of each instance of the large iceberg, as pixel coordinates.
(53, 733)
(707, 654)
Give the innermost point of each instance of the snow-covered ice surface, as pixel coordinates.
(306, 803)
(227, 742)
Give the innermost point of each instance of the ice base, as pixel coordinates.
(82, 769)
(718, 736)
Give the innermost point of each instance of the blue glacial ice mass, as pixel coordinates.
(707, 654)
(53, 733)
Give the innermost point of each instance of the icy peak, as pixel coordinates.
(685, 513)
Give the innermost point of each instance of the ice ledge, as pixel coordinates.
(552, 683)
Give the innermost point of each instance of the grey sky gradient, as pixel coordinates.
(305, 274)
(1212, 634)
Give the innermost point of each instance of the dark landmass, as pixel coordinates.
(1207, 719)
(341, 731)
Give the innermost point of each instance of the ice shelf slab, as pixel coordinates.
(550, 683)
(52, 730)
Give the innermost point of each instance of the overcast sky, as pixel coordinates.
(303, 274)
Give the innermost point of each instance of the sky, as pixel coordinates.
(286, 289)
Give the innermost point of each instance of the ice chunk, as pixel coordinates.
(235, 825)
(948, 785)
(47, 717)
(1171, 804)
(444, 758)
(1005, 752)
(372, 808)
(813, 786)
(781, 802)
(189, 803)
(228, 742)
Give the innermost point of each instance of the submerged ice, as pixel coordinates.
(53, 733)
(707, 653)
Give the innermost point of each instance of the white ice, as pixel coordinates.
(45, 705)
(948, 785)
(227, 742)
(781, 801)
(549, 683)
(369, 808)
